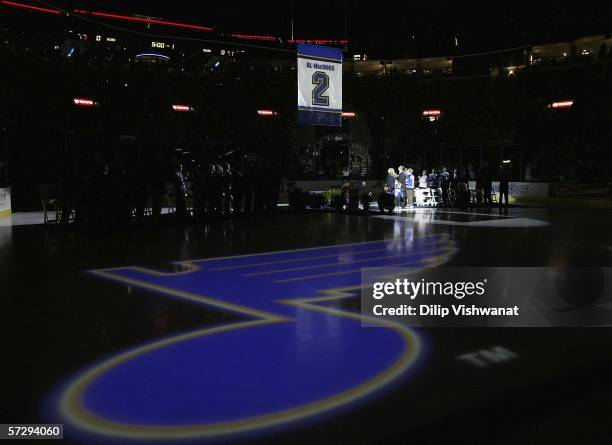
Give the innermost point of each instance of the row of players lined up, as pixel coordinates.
(218, 189)
(451, 187)
(103, 197)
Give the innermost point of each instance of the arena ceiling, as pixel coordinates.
(391, 28)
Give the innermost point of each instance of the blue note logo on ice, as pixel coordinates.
(296, 353)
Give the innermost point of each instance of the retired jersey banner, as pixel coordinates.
(319, 85)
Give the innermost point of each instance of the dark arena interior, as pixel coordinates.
(263, 223)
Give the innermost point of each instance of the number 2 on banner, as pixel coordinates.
(321, 80)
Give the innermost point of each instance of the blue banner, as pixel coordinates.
(319, 85)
